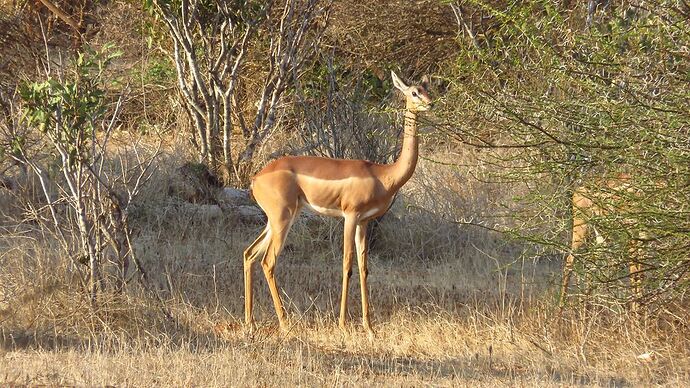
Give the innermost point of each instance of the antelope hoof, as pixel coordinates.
(249, 329)
(284, 326)
(370, 334)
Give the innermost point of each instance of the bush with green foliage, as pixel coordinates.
(86, 197)
(571, 96)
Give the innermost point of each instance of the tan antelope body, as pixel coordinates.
(356, 190)
(588, 203)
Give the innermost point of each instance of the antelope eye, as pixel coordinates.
(414, 94)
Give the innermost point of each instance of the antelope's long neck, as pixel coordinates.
(402, 169)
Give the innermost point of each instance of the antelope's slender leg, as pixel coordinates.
(578, 238)
(348, 253)
(635, 268)
(281, 225)
(256, 249)
(362, 255)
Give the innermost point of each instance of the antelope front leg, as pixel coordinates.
(361, 244)
(348, 252)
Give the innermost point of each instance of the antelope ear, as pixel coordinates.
(397, 82)
(425, 82)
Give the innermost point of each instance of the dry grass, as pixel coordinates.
(452, 306)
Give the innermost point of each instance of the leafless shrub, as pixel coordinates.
(211, 45)
(64, 141)
(334, 118)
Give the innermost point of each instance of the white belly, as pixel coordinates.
(324, 210)
(338, 212)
